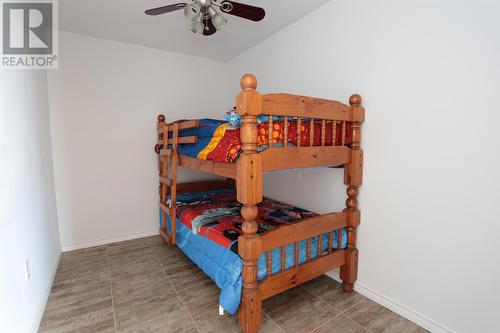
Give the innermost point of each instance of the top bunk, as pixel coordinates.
(286, 131)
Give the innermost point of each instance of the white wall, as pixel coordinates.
(429, 73)
(28, 219)
(104, 101)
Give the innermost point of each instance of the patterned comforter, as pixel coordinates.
(218, 141)
(208, 226)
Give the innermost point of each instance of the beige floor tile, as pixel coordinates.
(71, 308)
(141, 287)
(82, 283)
(188, 277)
(202, 300)
(155, 241)
(176, 263)
(297, 310)
(377, 318)
(132, 264)
(92, 323)
(77, 263)
(128, 246)
(331, 292)
(122, 250)
(230, 324)
(340, 324)
(153, 314)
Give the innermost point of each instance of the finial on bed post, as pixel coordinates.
(161, 118)
(355, 100)
(353, 174)
(248, 82)
(249, 193)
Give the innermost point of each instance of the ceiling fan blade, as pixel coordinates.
(209, 27)
(165, 9)
(242, 10)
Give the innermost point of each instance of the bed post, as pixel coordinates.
(163, 170)
(249, 193)
(353, 173)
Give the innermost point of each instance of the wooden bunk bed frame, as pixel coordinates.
(247, 173)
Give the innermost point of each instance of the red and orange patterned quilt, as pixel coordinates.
(218, 141)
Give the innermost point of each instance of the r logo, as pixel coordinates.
(27, 28)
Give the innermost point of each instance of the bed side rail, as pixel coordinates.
(320, 231)
(167, 128)
(208, 185)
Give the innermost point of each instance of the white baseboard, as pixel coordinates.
(396, 307)
(41, 308)
(66, 248)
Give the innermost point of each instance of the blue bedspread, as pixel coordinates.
(224, 266)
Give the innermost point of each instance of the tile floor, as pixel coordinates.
(145, 285)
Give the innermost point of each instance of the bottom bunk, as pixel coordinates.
(208, 225)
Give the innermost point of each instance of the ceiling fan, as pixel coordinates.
(203, 16)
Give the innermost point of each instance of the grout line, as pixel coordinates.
(354, 321)
(342, 311)
(353, 305)
(326, 322)
(175, 289)
(327, 302)
(111, 287)
(271, 319)
(322, 300)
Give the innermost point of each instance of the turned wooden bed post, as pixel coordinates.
(249, 193)
(353, 176)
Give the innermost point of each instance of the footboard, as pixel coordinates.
(317, 230)
(299, 131)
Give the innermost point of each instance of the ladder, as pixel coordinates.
(167, 166)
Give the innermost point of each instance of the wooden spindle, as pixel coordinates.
(296, 255)
(323, 132)
(320, 245)
(308, 250)
(311, 132)
(283, 258)
(285, 129)
(270, 131)
(334, 133)
(339, 238)
(330, 242)
(343, 133)
(299, 125)
(269, 263)
(164, 173)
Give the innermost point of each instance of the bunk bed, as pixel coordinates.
(253, 247)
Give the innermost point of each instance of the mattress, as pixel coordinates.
(208, 225)
(218, 141)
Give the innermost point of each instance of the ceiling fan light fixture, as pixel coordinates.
(203, 16)
(218, 20)
(192, 12)
(197, 25)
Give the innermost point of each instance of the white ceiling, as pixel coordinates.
(125, 21)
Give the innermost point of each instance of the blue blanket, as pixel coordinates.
(224, 266)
